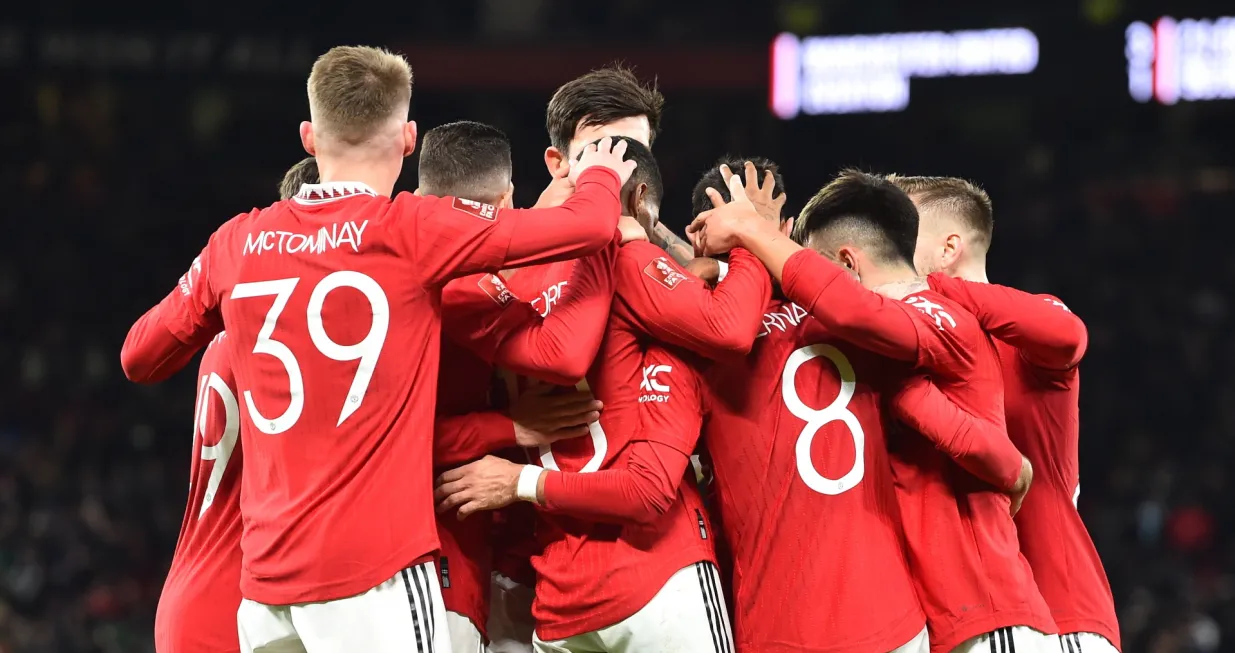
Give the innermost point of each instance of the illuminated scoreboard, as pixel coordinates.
(870, 73)
(1175, 60)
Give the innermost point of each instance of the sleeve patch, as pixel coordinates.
(496, 289)
(475, 209)
(663, 272)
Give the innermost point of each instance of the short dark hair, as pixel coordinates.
(465, 159)
(960, 197)
(646, 172)
(304, 172)
(711, 179)
(867, 206)
(599, 97)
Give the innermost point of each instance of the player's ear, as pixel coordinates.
(555, 160)
(417, 192)
(634, 204)
(409, 138)
(306, 138)
(507, 200)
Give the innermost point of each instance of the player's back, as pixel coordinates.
(962, 543)
(796, 434)
(331, 298)
(592, 575)
(1044, 423)
(197, 609)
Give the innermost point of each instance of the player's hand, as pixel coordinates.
(1022, 485)
(559, 189)
(487, 484)
(543, 417)
(707, 269)
(604, 154)
(760, 196)
(631, 229)
(721, 229)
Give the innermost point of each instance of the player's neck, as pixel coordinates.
(378, 175)
(970, 271)
(895, 282)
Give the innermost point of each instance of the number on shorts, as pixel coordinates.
(817, 419)
(366, 351)
(220, 453)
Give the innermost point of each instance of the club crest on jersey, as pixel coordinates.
(477, 209)
(661, 270)
(652, 387)
(496, 289)
(932, 310)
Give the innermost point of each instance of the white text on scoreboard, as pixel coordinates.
(1181, 60)
(871, 73)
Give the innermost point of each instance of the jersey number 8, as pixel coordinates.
(817, 419)
(366, 351)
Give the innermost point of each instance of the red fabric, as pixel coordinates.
(639, 493)
(591, 575)
(460, 439)
(1047, 334)
(1040, 344)
(812, 570)
(962, 543)
(197, 609)
(319, 523)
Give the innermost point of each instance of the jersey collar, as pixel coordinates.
(329, 192)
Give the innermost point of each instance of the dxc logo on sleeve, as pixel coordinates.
(189, 278)
(653, 388)
(932, 310)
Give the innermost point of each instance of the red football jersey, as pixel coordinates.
(332, 302)
(796, 437)
(1040, 344)
(962, 543)
(197, 609)
(593, 575)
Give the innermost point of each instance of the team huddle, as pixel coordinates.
(433, 422)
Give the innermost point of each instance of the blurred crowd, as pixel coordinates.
(109, 194)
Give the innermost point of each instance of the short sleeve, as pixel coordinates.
(670, 400)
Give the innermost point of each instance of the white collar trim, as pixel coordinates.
(329, 192)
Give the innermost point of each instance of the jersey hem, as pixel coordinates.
(965, 630)
(273, 592)
(617, 611)
(902, 633)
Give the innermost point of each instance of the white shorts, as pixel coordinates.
(464, 636)
(1013, 639)
(921, 643)
(401, 615)
(1085, 643)
(510, 616)
(687, 615)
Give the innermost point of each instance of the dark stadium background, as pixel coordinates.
(128, 132)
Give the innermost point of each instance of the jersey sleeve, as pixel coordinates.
(670, 407)
(163, 340)
(560, 347)
(1047, 334)
(978, 446)
(459, 439)
(455, 237)
(863, 317)
(676, 307)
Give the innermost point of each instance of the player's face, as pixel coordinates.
(637, 128)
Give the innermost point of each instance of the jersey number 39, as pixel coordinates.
(817, 419)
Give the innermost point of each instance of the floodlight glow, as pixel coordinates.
(871, 73)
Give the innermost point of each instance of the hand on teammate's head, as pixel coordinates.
(607, 153)
(721, 229)
(762, 196)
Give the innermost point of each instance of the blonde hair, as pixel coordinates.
(353, 90)
(959, 197)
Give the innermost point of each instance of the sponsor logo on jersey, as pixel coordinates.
(932, 310)
(663, 271)
(495, 288)
(654, 388)
(329, 237)
(189, 278)
(477, 209)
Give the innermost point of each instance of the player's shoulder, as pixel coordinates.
(485, 288)
(217, 358)
(642, 262)
(947, 315)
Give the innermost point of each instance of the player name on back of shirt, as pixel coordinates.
(781, 319)
(328, 237)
